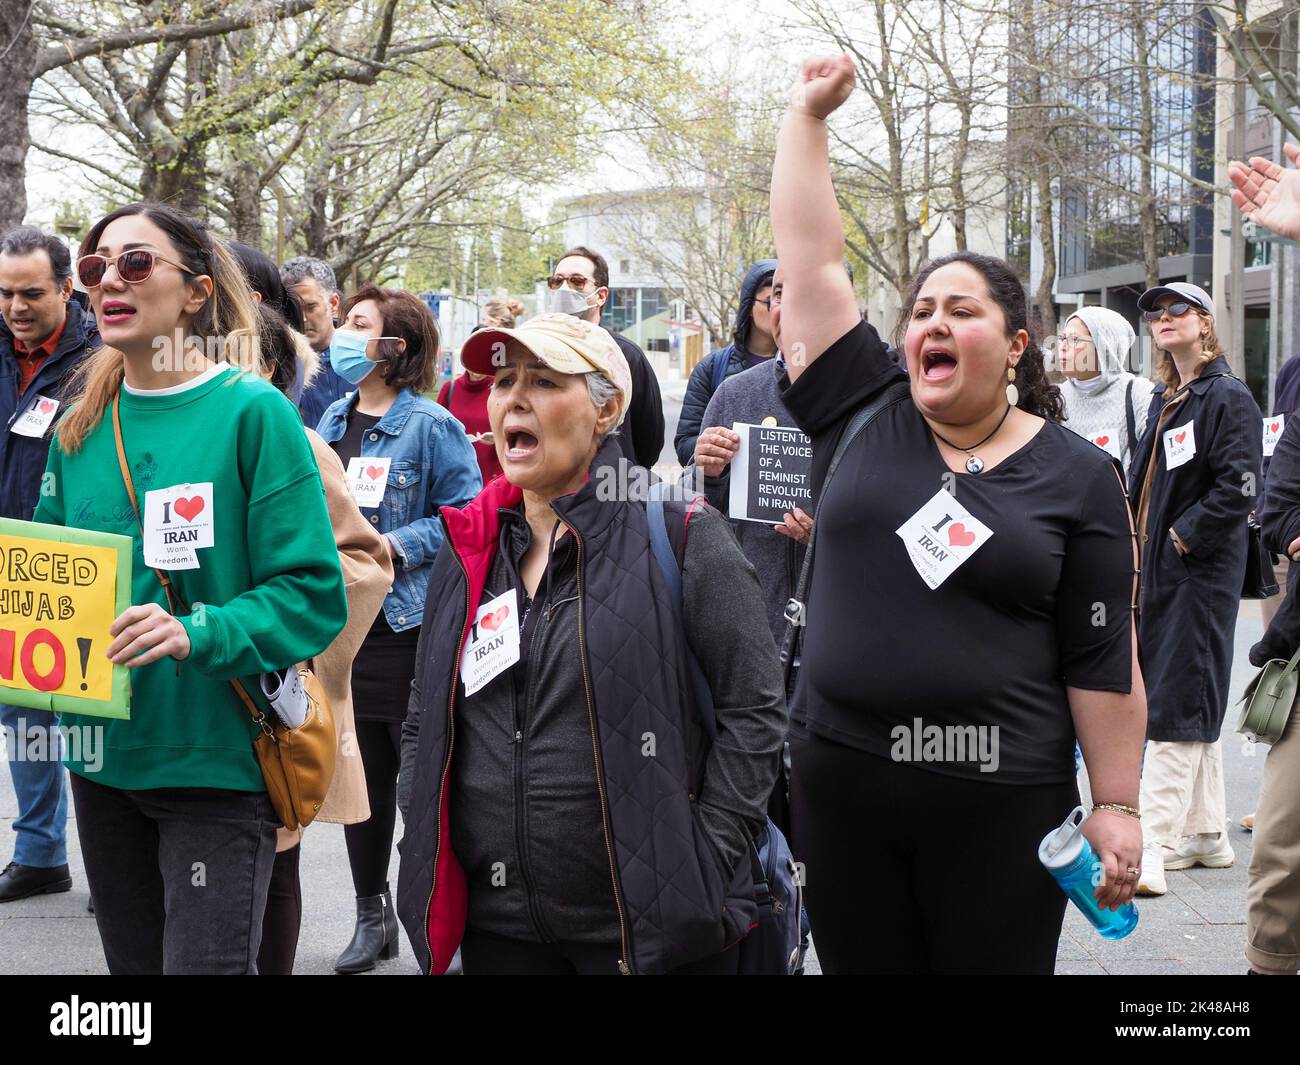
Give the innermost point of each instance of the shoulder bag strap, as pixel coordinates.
(172, 592)
(796, 608)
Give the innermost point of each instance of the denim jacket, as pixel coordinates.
(433, 465)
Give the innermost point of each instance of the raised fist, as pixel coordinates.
(824, 83)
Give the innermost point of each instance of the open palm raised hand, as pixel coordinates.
(1268, 194)
(823, 83)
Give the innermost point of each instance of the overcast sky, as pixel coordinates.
(707, 34)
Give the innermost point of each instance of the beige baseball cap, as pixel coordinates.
(565, 343)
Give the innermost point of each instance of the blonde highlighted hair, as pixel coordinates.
(1211, 349)
(505, 311)
(228, 322)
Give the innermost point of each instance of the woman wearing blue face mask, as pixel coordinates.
(405, 457)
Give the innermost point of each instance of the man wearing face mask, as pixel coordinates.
(579, 285)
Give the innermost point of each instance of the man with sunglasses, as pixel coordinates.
(579, 285)
(45, 335)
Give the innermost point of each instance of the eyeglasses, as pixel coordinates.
(1176, 310)
(1069, 340)
(577, 281)
(132, 267)
(766, 303)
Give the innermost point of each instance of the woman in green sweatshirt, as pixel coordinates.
(176, 829)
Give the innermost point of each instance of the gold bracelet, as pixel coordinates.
(1118, 808)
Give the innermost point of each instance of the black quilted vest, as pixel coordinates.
(673, 906)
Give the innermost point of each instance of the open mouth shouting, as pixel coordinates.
(114, 312)
(937, 364)
(521, 443)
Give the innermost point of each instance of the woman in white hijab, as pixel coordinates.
(1104, 403)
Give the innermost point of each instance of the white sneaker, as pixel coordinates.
(1210, 850)
(1248, 822)
(1152, 879)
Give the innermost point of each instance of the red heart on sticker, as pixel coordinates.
(374, 472)
(1273, 428)
(1180, 437)
(959, 535)
(47, 405)
(189, 508)
(1102, 441)
(496, 619)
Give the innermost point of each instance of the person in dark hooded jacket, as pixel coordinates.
(752, 343)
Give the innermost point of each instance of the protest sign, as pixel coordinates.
(60, 591)
(771, 473)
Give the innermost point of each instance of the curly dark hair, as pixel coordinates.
(1037, 394)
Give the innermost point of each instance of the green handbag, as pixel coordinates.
(1268, 700)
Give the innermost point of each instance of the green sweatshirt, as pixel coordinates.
(271, 587)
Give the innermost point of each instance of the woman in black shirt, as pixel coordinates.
(970, 611)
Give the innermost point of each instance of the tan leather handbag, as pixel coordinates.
(297, 764)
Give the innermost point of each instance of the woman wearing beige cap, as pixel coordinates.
(564, 812)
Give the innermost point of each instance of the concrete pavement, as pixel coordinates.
(1199, 927)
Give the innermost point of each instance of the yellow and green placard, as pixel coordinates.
(60, 591)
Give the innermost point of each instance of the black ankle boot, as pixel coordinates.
(375, 936)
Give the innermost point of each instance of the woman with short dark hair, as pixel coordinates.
(406, 457)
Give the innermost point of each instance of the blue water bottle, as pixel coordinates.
(1069, 857)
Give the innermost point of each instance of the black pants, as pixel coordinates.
(283, 920)
(484, 954)
(910, 871)
(370, 843)
(178, 875)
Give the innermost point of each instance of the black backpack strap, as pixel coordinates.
(796, 608)
(669, 552)
(1129, 419)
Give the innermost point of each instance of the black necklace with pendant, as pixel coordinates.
(974, 464)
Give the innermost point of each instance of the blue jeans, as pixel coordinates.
(42, 823)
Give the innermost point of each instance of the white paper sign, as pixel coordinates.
(1180, 445)
(1273, 433)
(36, 418)
(941, 537)
(493, 644)
(771, 473)
(368, 477)
(178, 523)
(1108, 441)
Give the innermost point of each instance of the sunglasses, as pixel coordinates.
(132, 267)
(574, 280)
(1176, 310)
